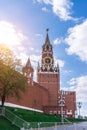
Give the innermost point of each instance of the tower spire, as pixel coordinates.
(47, 41)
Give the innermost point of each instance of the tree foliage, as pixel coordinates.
(8, 58)
(12, 82)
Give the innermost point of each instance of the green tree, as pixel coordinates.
(12, 82)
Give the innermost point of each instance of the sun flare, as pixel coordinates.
(10, 35)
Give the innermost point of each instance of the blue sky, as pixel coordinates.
(22, 28)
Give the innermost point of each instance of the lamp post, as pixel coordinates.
(61, 102)
(79, 106)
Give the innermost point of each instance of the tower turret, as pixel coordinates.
(28, 72)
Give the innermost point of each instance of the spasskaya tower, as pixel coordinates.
(48, 74)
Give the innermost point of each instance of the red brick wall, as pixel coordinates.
(38, 97)
(34, 97)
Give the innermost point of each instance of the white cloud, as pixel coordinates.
(40, 1)
(10, 35)
(79, 85)
(24, 58)
(35, 59)
(60, 62)
(72, 82)
(45, 9)
(62, 8)
(31, 48)
(45, 1)
(67, 71)
(77, 40)
(57, 41)
(39, 35)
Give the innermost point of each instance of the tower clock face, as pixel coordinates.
(47, 60)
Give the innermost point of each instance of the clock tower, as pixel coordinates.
(48, 74)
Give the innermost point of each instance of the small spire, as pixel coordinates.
(28, 64)
(57, 67)
(38, 65)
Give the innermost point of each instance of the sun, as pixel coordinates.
(10, 35)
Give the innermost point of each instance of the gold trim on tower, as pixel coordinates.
(47, 60)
